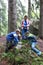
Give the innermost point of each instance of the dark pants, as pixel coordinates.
(10, 45)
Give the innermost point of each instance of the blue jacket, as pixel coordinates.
(25, 23)
(12, 36)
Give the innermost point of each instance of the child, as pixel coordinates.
(33, 41)
(25, 25)
(12, 38)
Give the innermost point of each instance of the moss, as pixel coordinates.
(24, 56)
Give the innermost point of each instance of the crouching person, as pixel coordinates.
(12, 39)
(33, 42)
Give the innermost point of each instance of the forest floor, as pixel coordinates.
(24, 56)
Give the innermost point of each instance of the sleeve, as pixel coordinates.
(16, 39)
(14, 35)
(22, 24)
(29, 23)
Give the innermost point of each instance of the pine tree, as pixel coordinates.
(3, 18)
(12, 15)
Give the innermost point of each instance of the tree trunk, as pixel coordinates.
(29, 9)
(41, 20)
(0, 22)
(0, 28)
(12, 15)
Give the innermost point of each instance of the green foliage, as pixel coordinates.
(4, 22)
(24, 41)
(35, 9)
(20, 12)
(23, 56)
(8, 56)
(19, 59)
(3, 19)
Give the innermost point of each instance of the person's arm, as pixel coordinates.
(29, 23)
(22, 24)
(16, 38)
(19, 37)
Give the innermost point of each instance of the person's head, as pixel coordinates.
(25, 17)
(18, 31)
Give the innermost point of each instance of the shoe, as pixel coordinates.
(39, 53)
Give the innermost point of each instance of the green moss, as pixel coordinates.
(19, 59)
(23, 56)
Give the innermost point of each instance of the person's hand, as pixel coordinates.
(20, 37)
(27, 28)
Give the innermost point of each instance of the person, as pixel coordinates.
(25, 25)
(33, 43)
(12, 39)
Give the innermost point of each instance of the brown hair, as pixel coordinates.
(25, 16)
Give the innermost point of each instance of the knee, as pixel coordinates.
(32, 47)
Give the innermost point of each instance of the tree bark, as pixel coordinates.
(41, 20)
(12, 15)
(29, 9)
